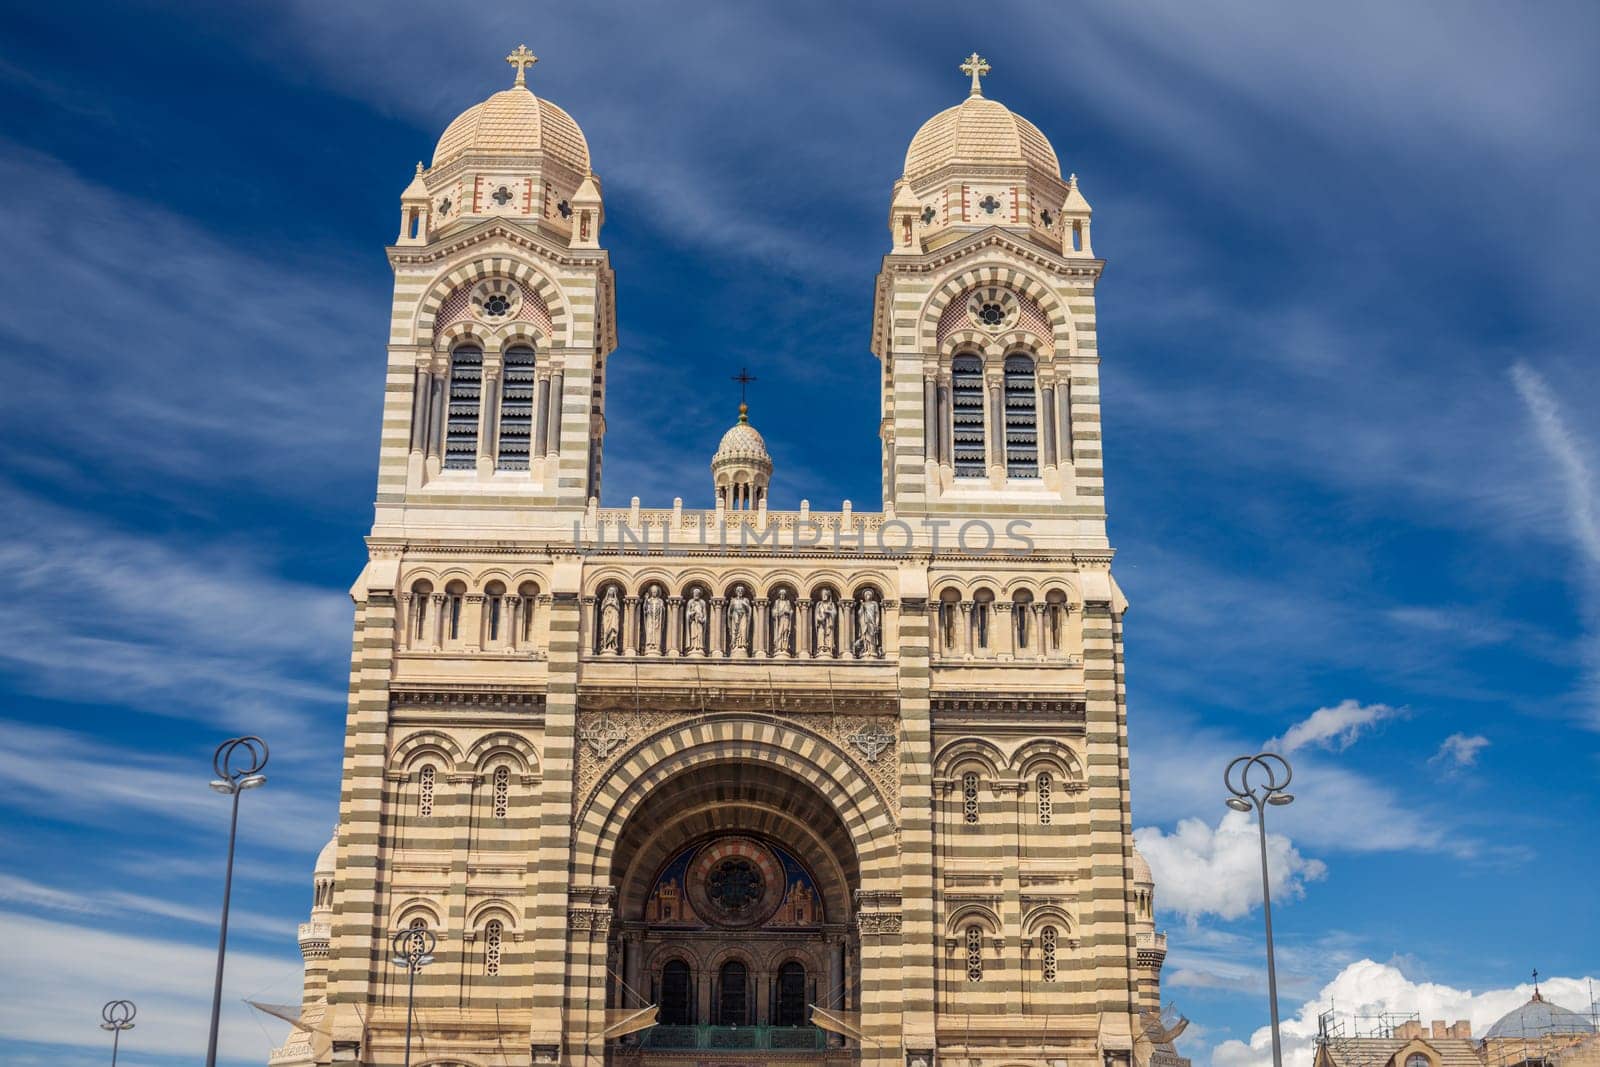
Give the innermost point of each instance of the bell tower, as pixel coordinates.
(985, 327)
(504, 314)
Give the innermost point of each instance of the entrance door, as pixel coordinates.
(733, 995)
(791, 995)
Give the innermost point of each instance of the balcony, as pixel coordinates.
(742, 1038)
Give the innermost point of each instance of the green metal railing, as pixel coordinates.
(774, 1038)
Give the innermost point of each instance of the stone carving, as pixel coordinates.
(602, 737)
(869, 617)
(824, 615)
(739, 611)
(655, 620)
(695, 613)
(879, 922)
(782, 623)
(611, 621)
(871, 740)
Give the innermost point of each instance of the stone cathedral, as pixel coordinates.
(732, 785)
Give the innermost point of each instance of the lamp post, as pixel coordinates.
(117, 1016)
(413, 950)
(1271, 778)
(238, 762)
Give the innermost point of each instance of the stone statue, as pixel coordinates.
(655, 621)
(823, 617)
(869, 620)
(694, 622)
(739, 610)
(611, 621)
(782, 623)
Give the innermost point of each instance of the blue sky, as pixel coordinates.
(1353, 468)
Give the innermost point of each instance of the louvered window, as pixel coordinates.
(974, 954)
(516, 409)
(1047, 941)
(1022, 419)
(966, 414)
(466, 389)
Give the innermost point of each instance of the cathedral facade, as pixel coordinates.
(737, 785)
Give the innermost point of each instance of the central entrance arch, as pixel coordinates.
(735, 888)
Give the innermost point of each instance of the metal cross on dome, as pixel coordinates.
(744, 378)
(522, 59)
(976, 66)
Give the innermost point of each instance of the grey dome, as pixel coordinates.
(1540, 1018)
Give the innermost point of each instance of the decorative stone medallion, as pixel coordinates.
(993, 308)
(736, 882)
(496, 299)
(871, 740)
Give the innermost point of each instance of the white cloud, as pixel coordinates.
(1459, 750)
(1335, 728)
(60, 974)
(1367, 988)
(1204, 870)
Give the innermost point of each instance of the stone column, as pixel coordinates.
(1041, 643)
(802, 628)
(966, 631)
(1064, 418)
(630, 625)
(930, 418)
(586, 627)
(1004, 643)
(512, 621)
(488, 418)
(436, 420)
(1047, 420)
(847, 628)
(997, 424)
(758, 629)
(553, 434)
(718, 627)
(946, 427)
(438, 620)
(472, 623)
(541, 416)
(421, 402)
(674, 625)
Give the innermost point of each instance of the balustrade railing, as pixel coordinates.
(776, 1038)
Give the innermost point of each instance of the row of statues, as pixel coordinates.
(740, 620)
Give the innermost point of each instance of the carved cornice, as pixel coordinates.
(804, 698)
(529, 240)
(494, 698)
(980, 704)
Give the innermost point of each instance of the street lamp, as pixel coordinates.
(238, 762)
(1271, 779)
(413, 950)
(117, 1016)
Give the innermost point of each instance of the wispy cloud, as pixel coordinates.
(1459, 751)
(26, 893)
(1334, 728)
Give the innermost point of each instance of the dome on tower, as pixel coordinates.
(979, 131)
(1141, 869)
(328, 858)
(1539, 1018)
(741, 468)
(514, 124)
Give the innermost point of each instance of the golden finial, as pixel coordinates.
(522, 59)
(976, 66)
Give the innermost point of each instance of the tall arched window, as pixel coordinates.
(791, 994)
(517, 388)
(1044, 786)
(494, 606)
(455, 599)
(974, 954)
(677, 1005)
(969, 797)
(493, 933)
(466, 390)
(425, 781)
(420, 592)
(1047, 945)
(733, 994)
(966, 417)
(1022, 419)
(502, 792)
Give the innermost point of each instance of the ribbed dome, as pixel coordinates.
(742, 444)
(978, 130)
(328, 858)
(1141, 869)
(515, 123)
(1540, 1018)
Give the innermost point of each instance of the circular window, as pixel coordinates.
(496, 305)
(496, 298)
(993, 308)
(735, 885)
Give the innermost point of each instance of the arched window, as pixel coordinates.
(461, 427)
(677, 1006)
(982, 604)
(733, 994)
(517, 387)
(530, 595)
(502, 792)
(1418, 1059)
(974, 954)
(966, 417)
(425, 780)
(949, 618)
(1043, 785)
(1022, 419)
(493, 933)
(791, 994)
(1022, 620)
(455, 598)
(494, 609)
(1047, 946)
(969, 796)
(419, 608)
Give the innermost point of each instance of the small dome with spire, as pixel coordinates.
(741, 469)
(1539, 1018)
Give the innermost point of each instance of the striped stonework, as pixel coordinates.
(737, 763)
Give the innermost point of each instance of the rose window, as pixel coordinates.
(735, 885)
(496, 298)
(993, 309)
